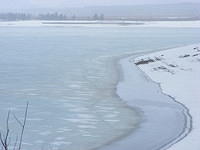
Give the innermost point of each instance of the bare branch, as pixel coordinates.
(5, 139)
(15, 145)
(23, 126)
(18, 121)
(7, 131)
(2, 141)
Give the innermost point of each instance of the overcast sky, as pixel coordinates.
(26, 4)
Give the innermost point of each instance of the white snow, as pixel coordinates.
(172, 24)
(178, 72)
(44, 23)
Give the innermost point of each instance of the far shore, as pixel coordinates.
(98, 23)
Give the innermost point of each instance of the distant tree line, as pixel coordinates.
(15, 16)
(51, 16)
(61, 16)
(46, 16)
(98, 17)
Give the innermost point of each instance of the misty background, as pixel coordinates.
(110, 9)
(30, 4)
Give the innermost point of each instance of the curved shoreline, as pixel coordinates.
(188, 118)
(122, 144)
(177, 70)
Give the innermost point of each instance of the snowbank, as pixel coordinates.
(178, 73)
(39, 23)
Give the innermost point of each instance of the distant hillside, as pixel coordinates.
(169, 10)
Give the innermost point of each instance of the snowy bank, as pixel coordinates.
(178, 73)
(119, 23)
(162, 119)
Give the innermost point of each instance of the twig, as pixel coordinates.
(6, 139)
(23, 126)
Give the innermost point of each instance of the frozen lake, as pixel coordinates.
(69, 76)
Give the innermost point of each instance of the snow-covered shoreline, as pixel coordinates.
(117, 23)
(163, 120)
(178, 73)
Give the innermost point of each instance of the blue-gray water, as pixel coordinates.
(69, 76)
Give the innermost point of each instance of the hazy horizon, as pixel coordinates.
(34, 4)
